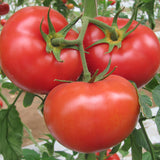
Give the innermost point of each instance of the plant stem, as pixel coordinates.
(90, 8)
(4, 99)
(20, 92)
(148, 140)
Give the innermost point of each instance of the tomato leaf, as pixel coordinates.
(156, 148)
(140, 139)
(9, 85)
(145, 103)
(29, 154)
(81, 156)
(124, 150)
(91, 156)
(11, 132)
(148, 7)
(65, 154)
(157, 121)
(155, 94)
(146, 156)
(136, 149)
(115, 148)
(20, 2)
(28, 99)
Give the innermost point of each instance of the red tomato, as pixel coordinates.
(4, 8)
(89, 117)
(112, 2)
(110, 157)
(3, 21)
(70, 6)
(1, 104)
(64, 1)
(138, 58)
(23, 55)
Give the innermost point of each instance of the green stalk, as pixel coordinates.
(4, 99)
(148, 140)
(90, 8)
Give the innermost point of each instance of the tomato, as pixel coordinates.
(4, 8)
(138, 58)
(3, 21)
(64, 1)
(110, 157)
(70, 6)
(112, 2)
(23, 55)
(89, 117)
(1, 104)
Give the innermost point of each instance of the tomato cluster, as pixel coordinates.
(83, 116)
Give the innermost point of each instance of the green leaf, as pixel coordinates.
(11, 132)
(91, 156)
(115, 148)
(29, 154)
(148, 7)
(20, 2)
(147, 156)
(157, 120)
(140, 139)
(156, 95)
(152, 84)
(65, 154)
(136, 149)
(124, 150)
(145, 103)
(10, 86)
(81, 156)
(28, 99)
(156, 148)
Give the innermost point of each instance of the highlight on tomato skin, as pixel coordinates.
(91, 117)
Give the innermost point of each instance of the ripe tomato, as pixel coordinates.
(112, 2)
(23, 55)
(89, 117)
(70, 6)
(1, 104)
(4, 8)
(3, 21)
(110, 157)
(64, 1)
(138, 58)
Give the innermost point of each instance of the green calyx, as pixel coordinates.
(114, 35)
(55, 41)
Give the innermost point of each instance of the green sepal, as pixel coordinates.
(65, 30)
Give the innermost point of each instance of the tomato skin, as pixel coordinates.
(70, 6)
(4, 8)
(137, 60)
(23, 55)
(111, 157)
(3, 22)
(1, 104)
(90, 117)
(113, 1)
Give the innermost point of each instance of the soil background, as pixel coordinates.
(31, 117)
